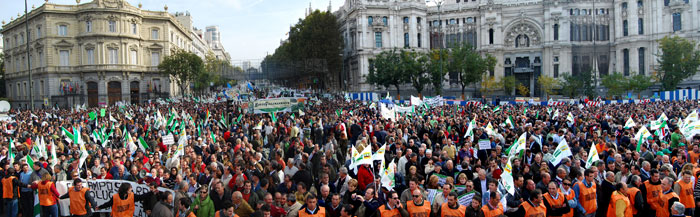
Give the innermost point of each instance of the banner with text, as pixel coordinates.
(102, 190)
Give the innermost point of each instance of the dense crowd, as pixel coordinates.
(237, 163)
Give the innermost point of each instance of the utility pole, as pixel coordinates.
(29, 60)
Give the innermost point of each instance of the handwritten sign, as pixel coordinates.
(484, 144)
(168, 140)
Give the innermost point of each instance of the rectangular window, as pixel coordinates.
(88, 26)
(113, 56)
(666, 2)
(556, 32)
(624, 5)
(41, 91)
(38, 32)
(418, 19)
(405, 20)
(626, 62)
(90, 56)
(112, 26)
(385, 20)
(640, 26)
(134, 57)
(41, 58)
(134, 28)
(624, 28)
(677, 22)
(64, 58)
(405, 40)
(419, 40)
(370, 20)
(62, 30)
(154, 34)
(642, 68)
(490, 36)
(555, 72)
(640, 3)
(377, 39)
(155, 58)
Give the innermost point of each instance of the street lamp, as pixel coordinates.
(439, 6)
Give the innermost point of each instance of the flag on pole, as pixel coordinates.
(556, 114)
(642, 135)
(489, 129)
(379, 155)
(497, 109)
(30, 161)
(510, 121)
(630, 123)
(570, 118)
(562, 151)
(662, 130)
(143, 145)
(592, 156)
(213, 137)
(54, 159)
(37, 206)
(354, 154)
(507, 178)
(11, 152)
(518, 146)
(387, 175)
(83, 155)
(273, 117)
(470, 130)
(365, 156)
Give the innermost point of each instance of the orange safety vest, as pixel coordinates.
(321, 212)
(217, 214)
(123, 208)
(653, 194)
(8, 188)
(663, 201)
(418, 211)
(552, 202)
(616, 197)
(191, 214)
(446, 211)
(384, 212)
(686, 194)
(587, 197)
(632, 193)
(534, 211)
(46, 198)
(570, 196)
(77, 201)
(488, 212)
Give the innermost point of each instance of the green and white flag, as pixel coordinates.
(497, 109)
(54, 159)
(213, 137)
(507, 177)
(510, 122)
(556, 114)
(592, 156)
(642, 135)
(37, 207)
(70, 137)
(562, 151)
(387, 175)
(518, 146)
(143, 145)
(11, 152)
(549, 110)
(470, 130)
(83, 155)
(630, 123)
(30, 161)
(570, 118)
(663, 117)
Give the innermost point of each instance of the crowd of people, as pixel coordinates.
(238, 163)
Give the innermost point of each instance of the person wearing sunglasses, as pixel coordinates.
(417, 206)
(393, 207)
(451, 208)
(569, 194)
(203, 206)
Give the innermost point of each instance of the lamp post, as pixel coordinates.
(439, 6)
(29, 65)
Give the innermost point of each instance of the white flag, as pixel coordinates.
(630, 123)
(562, 151)
(592, 156)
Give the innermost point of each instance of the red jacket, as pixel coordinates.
(364, 177)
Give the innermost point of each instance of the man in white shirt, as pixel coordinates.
(290, 169)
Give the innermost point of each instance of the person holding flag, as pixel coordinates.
(48, 196)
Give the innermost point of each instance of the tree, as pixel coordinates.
(523, 90)
(470, 64)
(679, 59)
(616, 83)
(488, 85)
(387, 71)
(509, 83)
(183, 66)
(639, 83)
(414, 65)
(437, 66)
(571, 85)
(547, 84)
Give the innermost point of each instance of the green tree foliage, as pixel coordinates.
(414, 65)
(470, 64)
(509, 83)
(580, 84)
(437, 66)
(388, 70)
(183, 66)
(316, 37)
(679, 59)
(548, 84)
(616, 83)
(489, 85)
(639, 83)
(523, 90)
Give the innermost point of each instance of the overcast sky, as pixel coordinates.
(249, 28)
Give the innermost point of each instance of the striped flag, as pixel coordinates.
(30, 161)
(642, 134)
(510, 121)
(37, 207)
(497, 109)
(143, 145)
(11, 153)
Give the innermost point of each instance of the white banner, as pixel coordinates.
(169, 139)
(102, 190)
(435, 101)
(404, 109)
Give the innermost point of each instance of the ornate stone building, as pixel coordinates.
(97, 53)
(530, 38)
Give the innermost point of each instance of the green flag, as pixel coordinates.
(102, 112)
(30, 161)
(497, 109)
(92, 115)
(213, 137)
(143, 145)
(239, 118)
(274, 118)
(11, 153)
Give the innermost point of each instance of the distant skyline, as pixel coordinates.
(249, 28)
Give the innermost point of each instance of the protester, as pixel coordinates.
(82, 203)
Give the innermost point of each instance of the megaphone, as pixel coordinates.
(142, 174)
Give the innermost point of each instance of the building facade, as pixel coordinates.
(96, 53)
(529, 38)
(213, 38)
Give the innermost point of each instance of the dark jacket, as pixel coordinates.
(218, 200)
